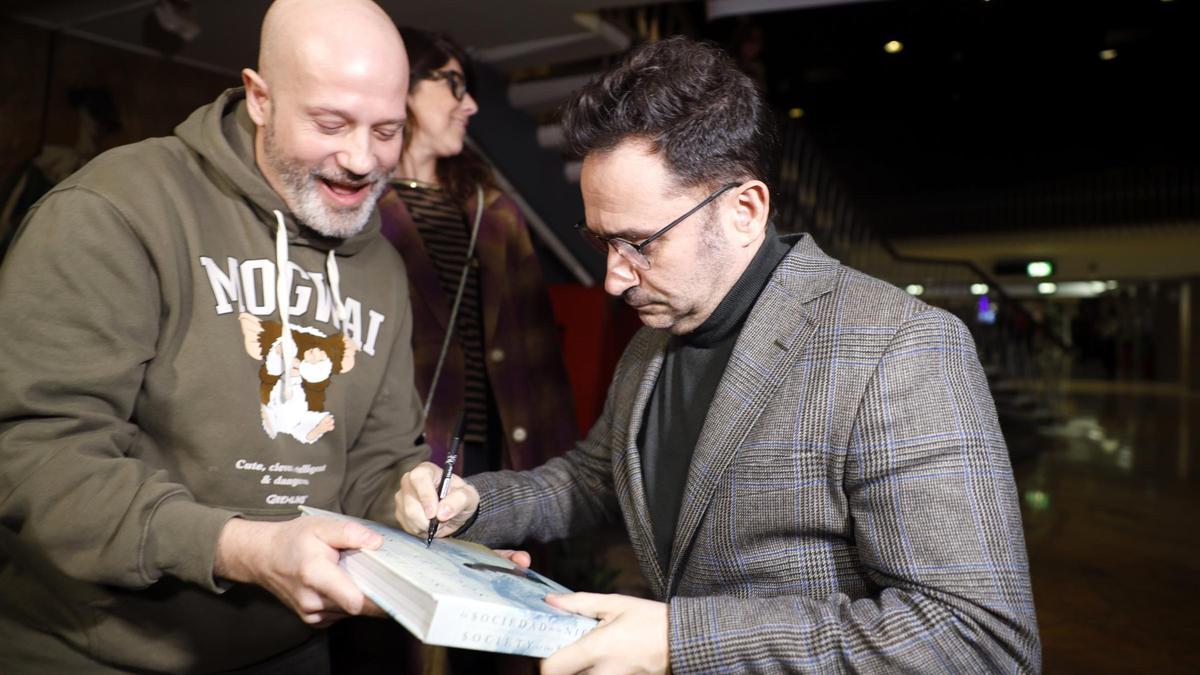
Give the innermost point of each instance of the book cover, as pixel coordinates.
(459, 594)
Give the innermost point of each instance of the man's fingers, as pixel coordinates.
(322, 619)
(631, 637)
(519, 558)
(337, 592)
(416, 519)
(417, 501)
(461, 500)
(371, 609)
(422, 482)
(341, 535)
(576, 657)
(309, 602)
(594, 605)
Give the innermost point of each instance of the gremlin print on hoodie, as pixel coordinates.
(296, 370)
(298, 363)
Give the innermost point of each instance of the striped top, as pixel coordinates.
(447, 235)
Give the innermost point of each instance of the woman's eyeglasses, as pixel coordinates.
(456, 80)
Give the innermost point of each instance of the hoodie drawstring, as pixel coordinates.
(283, 287)
(331, 269)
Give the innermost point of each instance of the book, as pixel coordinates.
(460, 594)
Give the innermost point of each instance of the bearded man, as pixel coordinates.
(148, 509)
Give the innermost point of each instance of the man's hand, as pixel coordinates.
(518, 558)
(417, 501)
(631, 637)
(297, 561)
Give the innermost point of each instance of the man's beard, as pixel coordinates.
(302, 194)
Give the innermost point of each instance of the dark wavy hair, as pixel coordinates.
(690, 102)
(427, 52)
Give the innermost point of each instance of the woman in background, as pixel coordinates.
(502, 365)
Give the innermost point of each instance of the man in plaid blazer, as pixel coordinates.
(847, 503)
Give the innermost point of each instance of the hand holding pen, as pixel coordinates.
(447, 474)
(419, 501)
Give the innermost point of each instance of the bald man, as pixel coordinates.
(211, 333)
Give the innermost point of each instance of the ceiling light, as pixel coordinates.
(1097, 287)
(893, 47)
(796, 113)
(979, 289)
(1110, 285)
(1047, 287)
(1108, 54)
(1039, 268)
(915, 289)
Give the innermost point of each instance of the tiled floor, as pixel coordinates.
(1111, 503)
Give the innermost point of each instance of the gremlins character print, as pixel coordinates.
(296, 370)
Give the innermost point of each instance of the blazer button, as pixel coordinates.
(496, 355)
(519, 435)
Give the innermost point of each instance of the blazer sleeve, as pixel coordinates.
(565, 496)
(937, 530)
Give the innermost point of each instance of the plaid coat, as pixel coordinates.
(521, 345)
(849, 506)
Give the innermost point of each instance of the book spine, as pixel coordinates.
(493, 628)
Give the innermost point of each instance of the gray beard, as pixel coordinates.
(302, 196)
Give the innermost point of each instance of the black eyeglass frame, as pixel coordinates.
(602, 244)
(456, 80)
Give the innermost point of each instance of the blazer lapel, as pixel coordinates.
(761, 360)
(627, 466)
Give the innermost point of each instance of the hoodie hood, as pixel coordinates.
(222, 133)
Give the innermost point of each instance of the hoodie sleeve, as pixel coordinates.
(385, 448)
(81, 305)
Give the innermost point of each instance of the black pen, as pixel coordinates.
(447, 472)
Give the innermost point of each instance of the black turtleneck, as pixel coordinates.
(686, 384)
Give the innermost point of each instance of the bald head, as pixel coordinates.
(328, 103)
(329, 38)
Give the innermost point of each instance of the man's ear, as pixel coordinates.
(258, 97)
(751, 211)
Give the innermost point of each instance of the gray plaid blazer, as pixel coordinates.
(850, 504)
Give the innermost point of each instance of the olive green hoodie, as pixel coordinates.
(144, 401)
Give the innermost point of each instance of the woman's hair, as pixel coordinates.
(427, 52)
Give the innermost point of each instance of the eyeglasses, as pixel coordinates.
(456, 80)
(634, 252)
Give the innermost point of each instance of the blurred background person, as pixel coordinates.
(483, 326)
(98, 120)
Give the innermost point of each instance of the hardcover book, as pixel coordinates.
(459, 594)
